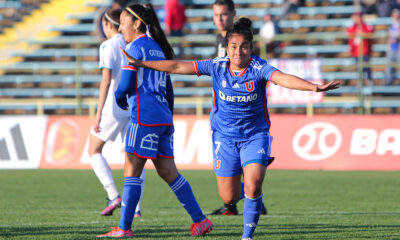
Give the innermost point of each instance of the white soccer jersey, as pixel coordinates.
(111, 58)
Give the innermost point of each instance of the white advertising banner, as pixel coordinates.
(21, 141)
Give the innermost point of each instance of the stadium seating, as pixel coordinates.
(64, 63)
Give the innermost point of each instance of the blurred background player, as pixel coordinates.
(241, 142)
(110, 120)
(150, 131)
(223, 15)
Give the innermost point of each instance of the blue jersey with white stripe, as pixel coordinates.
(145, 89)
(239, 99)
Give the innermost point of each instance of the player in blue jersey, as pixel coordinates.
(148, 96)
(239, 118)
(110, 120)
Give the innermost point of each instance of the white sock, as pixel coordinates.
(103, 172)
(143, 178)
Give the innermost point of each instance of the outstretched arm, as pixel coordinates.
(293, 82)
(171, 66)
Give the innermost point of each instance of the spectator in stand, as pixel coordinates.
(360, 34)
(393, 54)
(175, 20)
(267, 33)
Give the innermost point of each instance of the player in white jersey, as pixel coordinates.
(111, 121)
(239, 116)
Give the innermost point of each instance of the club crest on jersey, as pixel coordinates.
(223, 83)
(249, 86)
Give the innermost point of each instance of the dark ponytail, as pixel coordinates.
(149, 17)
(242, 27)
(112, 16)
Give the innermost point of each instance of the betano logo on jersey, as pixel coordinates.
(229, 98)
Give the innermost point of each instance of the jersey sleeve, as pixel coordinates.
(106, 56)
(127, 82)
(203, 67)
(267, 71)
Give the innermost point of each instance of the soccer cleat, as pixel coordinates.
(247, 238)
(111, 206)
(201, 228)
(138, 214)
(117, 232)
(227, 209)
(264, 210)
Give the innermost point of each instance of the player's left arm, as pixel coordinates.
(293, 82)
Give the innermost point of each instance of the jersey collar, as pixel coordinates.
(241, 73)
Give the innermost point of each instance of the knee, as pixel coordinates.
(168, 175)
(253, 189)
(93, 150)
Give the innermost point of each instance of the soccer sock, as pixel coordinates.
(251, 214)
(185, 195)
(104, 174)
(143, 178)
(130, 198)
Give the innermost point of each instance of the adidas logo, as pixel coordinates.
(262, 151)
(123, 204)
(236, 85)
(17, 141)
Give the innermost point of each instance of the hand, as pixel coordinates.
(327, 87)
(132, 61)
(96, 124)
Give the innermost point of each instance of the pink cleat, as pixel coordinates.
(138, 214)
(117, 233)
(111, 206)
(201, 228)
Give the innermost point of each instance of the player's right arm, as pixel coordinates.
(171, 66)
(103, 92)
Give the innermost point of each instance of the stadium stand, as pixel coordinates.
(63, 65)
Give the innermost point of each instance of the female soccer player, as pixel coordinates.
(150, 131)
(110, 119)
(239, 118)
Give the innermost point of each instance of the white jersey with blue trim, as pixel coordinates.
(147, 96)
(239, 99)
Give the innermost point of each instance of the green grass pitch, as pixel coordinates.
(65, 204)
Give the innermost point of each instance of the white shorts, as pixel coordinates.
(110, 127)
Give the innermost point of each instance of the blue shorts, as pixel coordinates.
(231, 156)
(150, 142)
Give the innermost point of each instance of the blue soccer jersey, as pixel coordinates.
(239, 99)
(148, 93)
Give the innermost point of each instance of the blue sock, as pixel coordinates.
(251, 214)
(184, 193)
(241, 192)
(130, 198)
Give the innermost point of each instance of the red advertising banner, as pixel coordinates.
(336, 142)
(330, 142)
